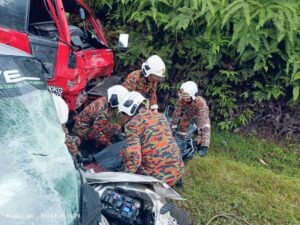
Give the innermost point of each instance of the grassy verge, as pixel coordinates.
(254, 151)
(233, 179)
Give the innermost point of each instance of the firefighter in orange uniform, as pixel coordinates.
(145, 81)
(191, 108)
(94, 122)
(151, 148)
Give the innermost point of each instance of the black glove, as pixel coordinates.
(202, 150)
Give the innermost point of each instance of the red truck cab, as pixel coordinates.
(64, 35)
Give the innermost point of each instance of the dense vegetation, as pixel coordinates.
(242, 53)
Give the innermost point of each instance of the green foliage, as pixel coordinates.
(240, 52)
(241, 120)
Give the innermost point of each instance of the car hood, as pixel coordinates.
(161, 188)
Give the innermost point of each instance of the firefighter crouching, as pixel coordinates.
(94, 122)
(145, 81)
(191, 108)
(151, 148)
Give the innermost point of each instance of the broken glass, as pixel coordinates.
(38, 181)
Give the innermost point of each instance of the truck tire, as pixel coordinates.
(181, 216)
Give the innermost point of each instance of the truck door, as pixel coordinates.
(43, 34)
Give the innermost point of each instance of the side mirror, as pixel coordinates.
(123, 41)
(82, 14)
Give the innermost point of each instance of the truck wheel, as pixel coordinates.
(181, 216)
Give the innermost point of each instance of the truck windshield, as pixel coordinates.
(13, 14)
(38, 181)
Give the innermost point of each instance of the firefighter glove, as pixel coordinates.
(202, 150)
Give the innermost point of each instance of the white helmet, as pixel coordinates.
(115, 94)
(62, 108)
(189, 89)
(131, 103)
(154, 65)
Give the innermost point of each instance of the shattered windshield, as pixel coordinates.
(38, 181)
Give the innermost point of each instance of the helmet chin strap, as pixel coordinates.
(143, 73)
(187, 99)
(147, 79)
(152, 79)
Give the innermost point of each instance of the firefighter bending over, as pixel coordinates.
(94, 121)
(151, 148)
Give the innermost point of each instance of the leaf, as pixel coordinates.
(296, 76)
(246, 12)
(231, 10)
(211, 8)
(296, 93)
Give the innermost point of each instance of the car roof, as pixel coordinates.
(8, 50)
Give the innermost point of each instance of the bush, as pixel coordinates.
(240, 52)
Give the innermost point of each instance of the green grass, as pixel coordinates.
(231, 179)
(250, 150)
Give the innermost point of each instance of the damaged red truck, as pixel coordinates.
(65, 36)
